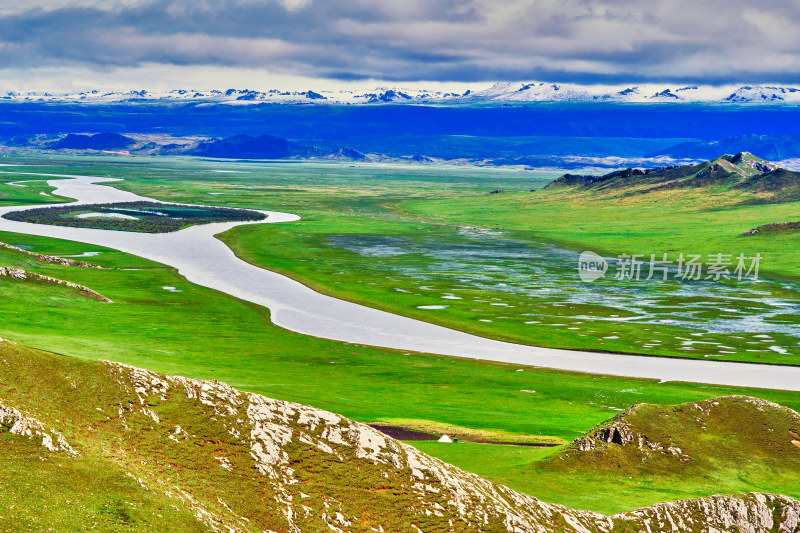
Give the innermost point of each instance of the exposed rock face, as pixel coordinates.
(20, 274)
(707, 173)
(16, 423)
(762, 166)
(439, 493)
(759, 165)
(622, 431)
(749, 513)
(776, 226)
(64, 261)
(283, 438)
(619, 431)
(622, 435)
(742, 171)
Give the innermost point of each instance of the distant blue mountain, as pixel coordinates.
(100, 141)
(772, 147)
(245, 147)
(342, 122)
(520, 134)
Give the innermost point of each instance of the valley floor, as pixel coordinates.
(238, 344)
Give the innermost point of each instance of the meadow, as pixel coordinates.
(438, 244)
(161, 322)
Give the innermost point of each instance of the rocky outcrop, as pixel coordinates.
(16, 423)
(749, 160)
(20, 274)
(709, 171)
(748, 513)
(626, 429)
(777, 226)
(64, 261)
(272, 429)
(619, 431)
(283, 438)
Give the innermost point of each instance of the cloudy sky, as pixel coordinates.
(84, 44)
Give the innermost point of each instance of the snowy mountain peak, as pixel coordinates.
(504, 92)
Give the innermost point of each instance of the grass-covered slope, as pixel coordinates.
(729, 428)
(728, 444)
(743, 171)
(106, 447)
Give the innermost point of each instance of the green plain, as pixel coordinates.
(205, 334)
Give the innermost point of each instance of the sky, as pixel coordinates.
(300, 44)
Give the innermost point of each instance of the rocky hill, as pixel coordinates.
(743, 171)
(108, 447)
(679, 433)
(703, 444)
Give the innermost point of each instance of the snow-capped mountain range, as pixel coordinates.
(380, 95)
(555, 92)
(497, 93)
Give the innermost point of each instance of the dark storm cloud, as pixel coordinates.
(459, 40)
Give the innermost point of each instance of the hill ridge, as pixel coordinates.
(742, 171)
(618, 430)
(240, 461)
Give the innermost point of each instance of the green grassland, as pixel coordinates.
(703, 221)
(200, 333)
(204, 334)
(31, 193)
(726, 445)
(411, 240)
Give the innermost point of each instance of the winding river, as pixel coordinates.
(204, 260)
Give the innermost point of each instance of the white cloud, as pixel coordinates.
(466, 40)
(13, 7)
(159, 77)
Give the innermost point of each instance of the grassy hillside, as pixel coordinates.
(652, 453)
(147, 453)
(743, 171)
(106, 447)
(722, 445)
